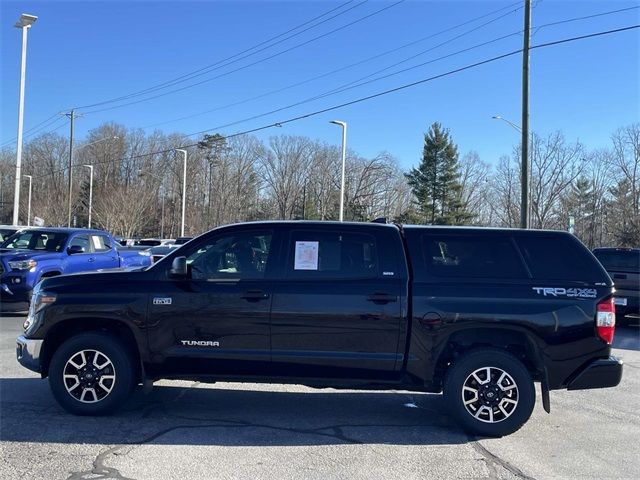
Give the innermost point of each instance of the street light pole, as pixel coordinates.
(24, 23)
(184, 188)
(29, 204)
(90, 167)
(344, 158)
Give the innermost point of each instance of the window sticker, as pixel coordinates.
(306, 256)
(97, 244)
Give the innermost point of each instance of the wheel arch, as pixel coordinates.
(520, 343)
(66, 329)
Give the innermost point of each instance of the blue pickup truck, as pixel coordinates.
(31, 254)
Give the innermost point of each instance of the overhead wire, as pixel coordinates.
(282, 52)
(264, 42)
(381, 93)
(346, 67)
(355, 84)
(216, 65)
(351, 85)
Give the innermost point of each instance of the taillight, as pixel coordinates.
(606, 320)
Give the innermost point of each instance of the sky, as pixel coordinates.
(81, 53)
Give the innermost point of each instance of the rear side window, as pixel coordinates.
(471, 256)
(559, 257)
(315, 254)
(619, 260)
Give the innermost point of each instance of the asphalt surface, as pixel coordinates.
(245, 431)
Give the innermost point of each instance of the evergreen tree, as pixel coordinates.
(436, 181)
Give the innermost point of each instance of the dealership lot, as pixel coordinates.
(185, 429)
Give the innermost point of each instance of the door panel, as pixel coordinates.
(105, 255)
(324, 323)
(220, 315)
(80, 262)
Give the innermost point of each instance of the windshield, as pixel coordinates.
(620, 260)
(6, 233)
(36, 240)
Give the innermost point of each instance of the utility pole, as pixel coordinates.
(72, 115)
(524, 199)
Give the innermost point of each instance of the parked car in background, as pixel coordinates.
(623, 265)
(31, 254)
(182, 240)
(160, 251)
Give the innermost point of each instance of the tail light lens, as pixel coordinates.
(606, 320)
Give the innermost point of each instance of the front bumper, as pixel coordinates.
(28, 353)
(601, 373)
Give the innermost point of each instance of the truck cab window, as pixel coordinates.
(332, 255)
(81, 241)
(237, 256)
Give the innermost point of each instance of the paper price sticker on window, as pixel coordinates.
(306, 256)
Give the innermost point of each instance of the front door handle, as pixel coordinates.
(254, 295)
(91, 260)
(382, 298)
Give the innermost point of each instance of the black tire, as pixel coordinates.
(495, 412)
(100, 401)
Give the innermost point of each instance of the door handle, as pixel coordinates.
(91, 259)
(382, 298)
(254, 295)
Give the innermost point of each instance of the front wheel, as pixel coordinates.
(489, 392)
(91, 374)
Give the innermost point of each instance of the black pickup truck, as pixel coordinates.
(478, 314)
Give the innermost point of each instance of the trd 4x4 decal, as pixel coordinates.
(566, 292)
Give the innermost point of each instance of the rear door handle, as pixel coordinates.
(254, 295)
(382, 298)
(91, 259)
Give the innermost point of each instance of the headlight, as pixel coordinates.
(23, 264)
(42, 299)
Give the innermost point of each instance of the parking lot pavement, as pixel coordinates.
(237, 431)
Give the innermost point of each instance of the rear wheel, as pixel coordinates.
(91, 374)
(489, 392)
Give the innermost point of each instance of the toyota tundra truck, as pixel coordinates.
(480, 315)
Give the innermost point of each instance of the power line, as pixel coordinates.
(350, 86)
(378, 94)
(326, 74)
(207, 68)
(55, 115)
(355, 84)
(282, 52)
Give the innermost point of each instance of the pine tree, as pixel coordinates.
(435, 182)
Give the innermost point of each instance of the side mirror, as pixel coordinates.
(73, 249)
(178, 268)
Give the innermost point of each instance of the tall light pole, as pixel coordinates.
(184, 188)
(29, 204)
(90, 167)
(24, 23)
(344, 159)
